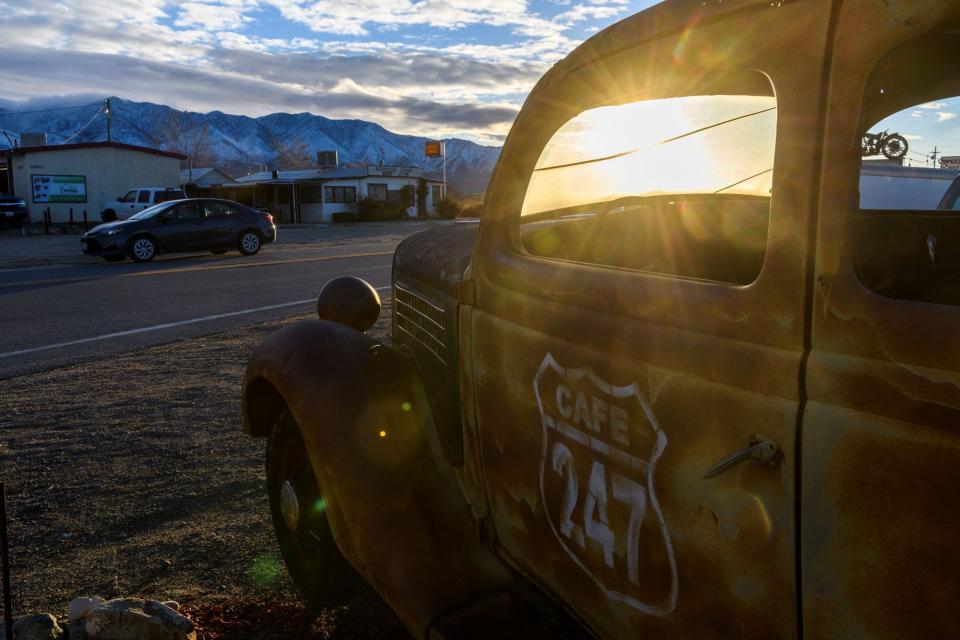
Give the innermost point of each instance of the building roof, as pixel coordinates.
(95, 145)
(301, 175)
(898, 171)
(342, 173)
(199, 173)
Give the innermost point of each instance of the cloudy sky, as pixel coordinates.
(929, 126)
(429, 67)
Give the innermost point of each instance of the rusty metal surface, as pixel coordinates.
(676, 374)
(595, 400)
(438, 256)
(394, 509)
(427, 268)
(881, 442)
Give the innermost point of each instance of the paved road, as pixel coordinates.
(62, 314)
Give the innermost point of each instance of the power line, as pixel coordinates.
(89, 122)
(23, 113)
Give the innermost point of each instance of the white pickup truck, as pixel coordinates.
(136, 200)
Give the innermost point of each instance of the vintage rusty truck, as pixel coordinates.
(677, 382)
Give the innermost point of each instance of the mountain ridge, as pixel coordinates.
(243, 144)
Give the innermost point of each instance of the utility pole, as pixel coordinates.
(443, 150)
(106, 110)
(933, 156)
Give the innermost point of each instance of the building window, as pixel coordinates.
(377, 191)
(341, 194)
(311, 195)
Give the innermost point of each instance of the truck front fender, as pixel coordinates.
(395, 512)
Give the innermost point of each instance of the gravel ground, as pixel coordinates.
(132, 477)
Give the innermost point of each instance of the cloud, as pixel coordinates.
(359, 17)
(911, 137)
(36, 70)
(214, 16)
(415, 66)
(943, 116)
(932, 106)
(443, 78)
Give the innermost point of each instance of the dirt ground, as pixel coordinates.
(132, 477)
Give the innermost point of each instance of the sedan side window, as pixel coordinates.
(187, 211)
(219, 209)
(675, 186)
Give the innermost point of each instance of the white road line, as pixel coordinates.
(158, 327)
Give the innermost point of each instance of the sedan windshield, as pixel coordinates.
(152, 212)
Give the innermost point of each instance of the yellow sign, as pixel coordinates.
(433, 148)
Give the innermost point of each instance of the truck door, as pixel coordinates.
(143, 201)
(639, 318)
(881, 430)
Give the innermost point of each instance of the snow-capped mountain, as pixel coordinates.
(241, 144)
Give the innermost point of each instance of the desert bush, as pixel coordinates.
(471, 210)
(448, 208)
(371, 210)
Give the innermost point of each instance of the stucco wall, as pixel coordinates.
(109, 173)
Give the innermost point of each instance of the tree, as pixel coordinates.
(292, 154)
(176, 131)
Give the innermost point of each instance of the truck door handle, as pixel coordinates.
(759, 451)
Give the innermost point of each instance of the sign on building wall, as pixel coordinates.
(397, 172)
(950, 162)
(56, 189)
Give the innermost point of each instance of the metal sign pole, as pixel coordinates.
(443, 150)
(5, 561)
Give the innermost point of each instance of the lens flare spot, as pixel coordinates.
(265, 571)
(406, 406)
(382, 434)
(320, 505)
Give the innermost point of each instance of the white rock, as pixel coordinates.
(132, 619)
(79, 607)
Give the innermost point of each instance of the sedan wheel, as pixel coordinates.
(249, 243)
(143, 249)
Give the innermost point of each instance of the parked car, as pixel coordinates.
(182, 225)
(137, 200)
(13, 210)
(951, 198)
(676, 382)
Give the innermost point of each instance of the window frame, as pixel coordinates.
(338, 194)
(870, 112)
(371, 185)
(601, 206)
(200, 211)
(501, 264)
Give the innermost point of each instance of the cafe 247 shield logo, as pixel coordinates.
(601, 444)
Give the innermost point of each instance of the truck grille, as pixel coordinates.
(423, 322)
